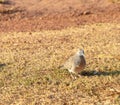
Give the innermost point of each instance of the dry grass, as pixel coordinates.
(29, 73)
(4, 1)
(115, 1)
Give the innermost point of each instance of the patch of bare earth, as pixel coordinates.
(35, 15)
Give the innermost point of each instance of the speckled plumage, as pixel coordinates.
(76, 63)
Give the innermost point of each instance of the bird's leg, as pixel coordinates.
(78, 75)
(72, 74)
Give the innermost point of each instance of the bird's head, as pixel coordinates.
(80, 52)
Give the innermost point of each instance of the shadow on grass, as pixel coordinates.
(99, 73)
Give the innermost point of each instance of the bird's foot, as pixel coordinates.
(75, 76)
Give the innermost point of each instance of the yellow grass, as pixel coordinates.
(3, 1)
(115, 1)
(29, 62)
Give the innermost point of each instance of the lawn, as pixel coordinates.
(29, 62)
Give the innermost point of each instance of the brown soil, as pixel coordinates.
(34, 15)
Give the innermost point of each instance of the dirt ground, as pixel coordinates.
(37, 36)
(34, 15)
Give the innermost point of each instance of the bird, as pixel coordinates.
(76, 63)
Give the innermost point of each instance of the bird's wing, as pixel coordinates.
(69, 62)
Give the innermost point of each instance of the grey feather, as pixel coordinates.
(75, 63)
